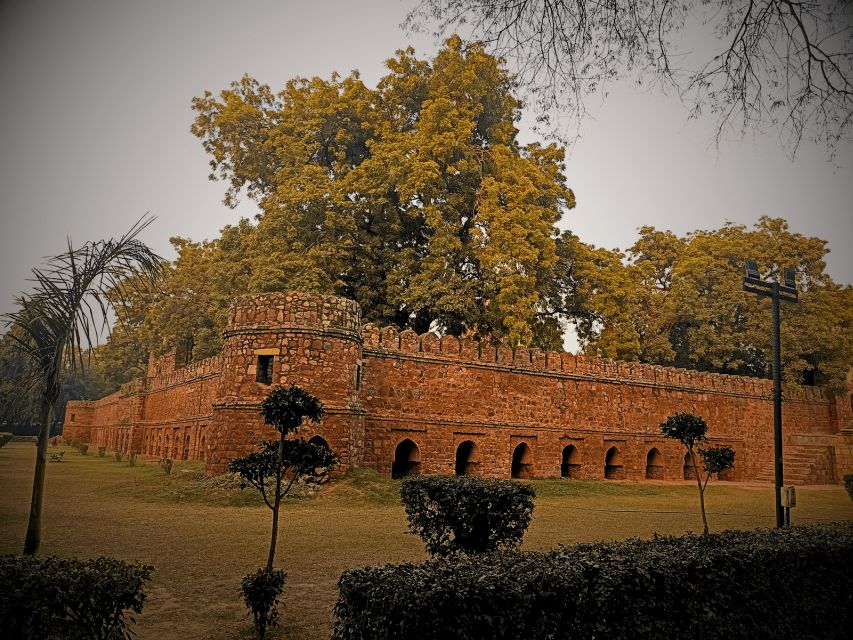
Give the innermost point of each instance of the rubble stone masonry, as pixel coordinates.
(406, 403)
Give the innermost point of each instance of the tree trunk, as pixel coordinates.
(276, 503)
(701, 491)
(33, 538)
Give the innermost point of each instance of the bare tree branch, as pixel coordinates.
(780, 66)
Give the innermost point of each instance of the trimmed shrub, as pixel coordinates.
(118, 455)
(102, 452)
(848, 484)
(131, 458)
(83, 448)
(784, 583)
(464, 514)
(261, 591)
(5, 438)
(69, 599)
(166, 465)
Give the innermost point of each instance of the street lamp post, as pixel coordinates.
(753, 283)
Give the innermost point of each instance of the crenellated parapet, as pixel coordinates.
(295, 310)
(201, 369)
(389, 339)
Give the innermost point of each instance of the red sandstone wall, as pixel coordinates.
(78, 420)
(440, 393)
(178, 411)
(381, 387)
(315, 342)
(165, 415)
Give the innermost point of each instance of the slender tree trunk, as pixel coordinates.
(48, 402)
(276, 503)
(701, 491)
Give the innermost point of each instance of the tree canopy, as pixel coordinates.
(414, 198)
(678, 301)
(781, 66)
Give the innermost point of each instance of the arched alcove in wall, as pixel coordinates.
(613, 469)
(571, 463)
(654, 464)
(689, 471)
(407, 460)
(466, 459)
(522, 461)
(320, 441)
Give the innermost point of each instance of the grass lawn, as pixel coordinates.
(203, 535)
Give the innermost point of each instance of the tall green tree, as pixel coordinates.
(414, 198)
(61, 317)
(679, 301)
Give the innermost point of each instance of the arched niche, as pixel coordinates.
(320, 441)
(407, 460)
(571, 462)
(654, 464)
(522, 461)
(689, 471)
(613, 469)
(466, 459)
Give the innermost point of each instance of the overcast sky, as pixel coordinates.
(96, 116)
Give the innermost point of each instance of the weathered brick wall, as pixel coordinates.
(78, 420)
(396, 395)
(178, 410)
(165, 415)
(315, 342)
(439, 393)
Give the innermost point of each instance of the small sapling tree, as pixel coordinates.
(278, 461)
(284, 408)
(691, 430)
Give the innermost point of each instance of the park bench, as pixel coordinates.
(56, 457)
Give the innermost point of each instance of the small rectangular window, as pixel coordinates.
(264, 375)
(358, 377)
(73, 417)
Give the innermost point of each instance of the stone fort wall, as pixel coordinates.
(403, 403)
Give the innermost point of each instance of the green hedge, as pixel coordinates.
(466, 514)
(69, 599)
(794, 583)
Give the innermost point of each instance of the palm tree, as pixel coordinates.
(63, 316)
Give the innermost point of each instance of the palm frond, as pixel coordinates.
(69, 306)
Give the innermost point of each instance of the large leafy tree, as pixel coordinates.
(679, 301)
(414, 198)
(776, 65)
(62, 317)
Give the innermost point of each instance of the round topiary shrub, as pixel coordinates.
(464, 514)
